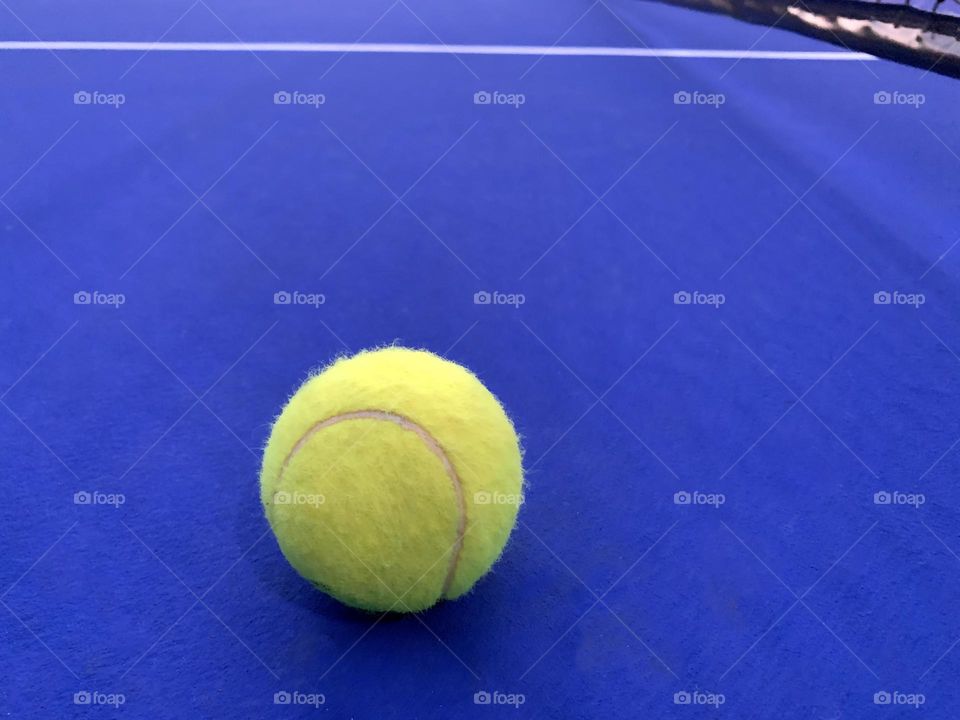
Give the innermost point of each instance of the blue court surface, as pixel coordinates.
(718, 297)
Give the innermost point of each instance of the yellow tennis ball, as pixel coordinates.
(392, 480)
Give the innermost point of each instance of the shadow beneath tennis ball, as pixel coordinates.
(330, 607)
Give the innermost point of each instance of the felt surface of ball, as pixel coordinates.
(392, 479)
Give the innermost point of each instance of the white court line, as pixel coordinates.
(427, 49)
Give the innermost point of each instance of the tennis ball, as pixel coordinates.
(392, 480)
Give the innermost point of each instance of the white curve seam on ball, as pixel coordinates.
(434, 447)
